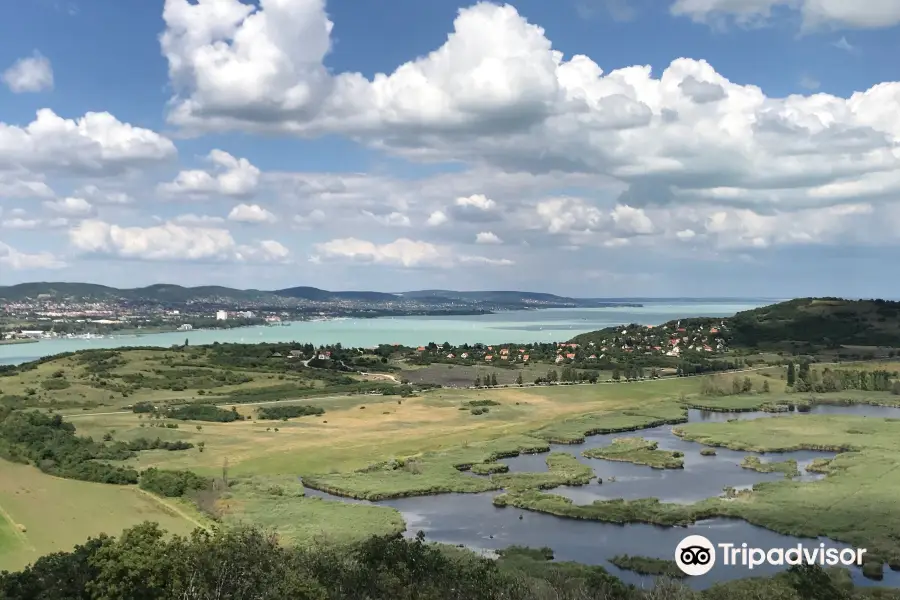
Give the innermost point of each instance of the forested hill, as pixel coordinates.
(828, 322)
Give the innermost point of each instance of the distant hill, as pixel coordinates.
(176, 294)
(827, 322)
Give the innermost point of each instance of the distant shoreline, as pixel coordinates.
(18, 341)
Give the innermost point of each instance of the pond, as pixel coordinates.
(473, 521)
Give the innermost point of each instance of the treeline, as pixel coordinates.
(141, 444)
(203, 412)
(805, 379)
(289, 412)
(51, 445)
(230, 564)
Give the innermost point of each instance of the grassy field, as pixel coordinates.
(372, 447)
(41, 514)
(464, 375)
(638, 451)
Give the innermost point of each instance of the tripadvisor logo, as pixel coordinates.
(696, 555)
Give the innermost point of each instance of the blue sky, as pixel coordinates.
(588, 147)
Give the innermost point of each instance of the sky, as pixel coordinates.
(596, 148)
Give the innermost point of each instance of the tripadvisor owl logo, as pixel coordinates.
(695, 555)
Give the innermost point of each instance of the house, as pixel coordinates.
(504, 352)
(221, 315)
(451, 355)
(570, 356)
(321, 357)
(489, 358)
(295, 354)
(525, 358)
(490, 347)
(420, 349)
(559, 359)
(328, 354)
(592, 357)
(713, 330)
(464, 355)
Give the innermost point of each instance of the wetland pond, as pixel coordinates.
(473, 521)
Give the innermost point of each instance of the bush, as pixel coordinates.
(289, 412)
(203, 412)
(55, 384)
(172, 483)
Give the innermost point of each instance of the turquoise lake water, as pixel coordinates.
(547, 325)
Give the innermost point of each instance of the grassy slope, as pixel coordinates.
(638, 451)
(807, 320)
(58, 513)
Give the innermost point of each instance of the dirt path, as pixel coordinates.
(173, 508)
(15, 529)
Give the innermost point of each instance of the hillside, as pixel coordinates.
(827, 322)
(176, 294)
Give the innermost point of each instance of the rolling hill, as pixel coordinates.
(176, 294)
(826, 322)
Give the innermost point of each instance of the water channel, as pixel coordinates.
(473, 521)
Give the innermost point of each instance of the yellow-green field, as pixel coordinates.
(41, 514)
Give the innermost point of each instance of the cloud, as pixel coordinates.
(19, 223)
(476, 208)
(487, 237)
(13, 259)
(101, 196)
(30, 74)
(169, 242)
(393, 219)
(436, 218)
(192, 219)
(873, 14)
(251, 213)
(843, 44)
(809, 83)
(95, 144)
(23, 186)
(497, 95)
(70, 206)
(632, 221)
(315, 217)
(232, 177)
(402, 252)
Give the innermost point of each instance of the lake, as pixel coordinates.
(473, 521)
(544, 325)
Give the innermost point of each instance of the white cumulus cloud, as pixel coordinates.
(169, 242)
(487, 237)
(30, 74)
(13, 259)
(251, 213)
(231, 177)
(97, 143)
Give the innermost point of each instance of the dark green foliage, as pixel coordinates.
(51, 444)
(289, 412)
(172, 483)
(474, 403)
(55, 383)
(203, 412)
(243, 563)
(141, 444)
(142, 407)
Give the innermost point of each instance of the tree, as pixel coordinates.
(616, 374)
(478, 381)
(791, 375)
(201, 446)
(199, 427)
(493, 379)
(519, 379)
(765, 387)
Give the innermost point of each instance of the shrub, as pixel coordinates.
(172, 483)
(289, 412)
